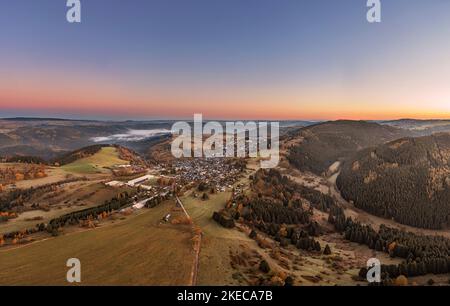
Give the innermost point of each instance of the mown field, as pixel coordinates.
(105, 158)
(217, 241)
(135, 251)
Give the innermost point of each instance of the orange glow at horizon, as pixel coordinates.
(98, 96)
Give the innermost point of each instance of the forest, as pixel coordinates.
(422, 254)
(406, 180)
(323, 144)
(277, 207)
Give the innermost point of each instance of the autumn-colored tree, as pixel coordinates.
(276, 281)
(283, 231)
(197, 230)
(282, 275)
(401, 281)
(19, 176)
(40, 174)
(181, 220)
(392, 246)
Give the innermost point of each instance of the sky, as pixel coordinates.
(226, 59)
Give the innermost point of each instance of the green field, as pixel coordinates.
(105, 158)
(135, 251)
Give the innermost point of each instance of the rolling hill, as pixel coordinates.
(48, 138)
(316, 148)
(105, 158)
(407, 180)
(98, 158)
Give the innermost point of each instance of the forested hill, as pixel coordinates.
(407, 180)
(316, 148)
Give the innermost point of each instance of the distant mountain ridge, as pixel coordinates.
(49, 138)
(40, 119)
(424, 127)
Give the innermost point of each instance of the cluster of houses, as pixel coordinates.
(214, 172)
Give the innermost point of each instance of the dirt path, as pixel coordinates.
(216, 241)
(197, 246)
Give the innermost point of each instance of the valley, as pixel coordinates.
(116, 211)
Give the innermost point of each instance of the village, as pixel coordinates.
(213, 175)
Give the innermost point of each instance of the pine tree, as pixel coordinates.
(327, 250)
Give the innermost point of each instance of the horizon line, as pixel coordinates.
(43, 118)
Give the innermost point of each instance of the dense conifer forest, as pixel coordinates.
(407, 180)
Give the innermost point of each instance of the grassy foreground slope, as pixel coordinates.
(136, 251)
(217, 241)
(106, 157)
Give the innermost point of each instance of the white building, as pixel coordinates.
(140, 180)
(114, 184)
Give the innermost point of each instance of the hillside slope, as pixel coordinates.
(135, 251)
(317, 147)
(407, 179)
(97, 158)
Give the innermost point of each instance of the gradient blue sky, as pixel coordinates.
(284, 59)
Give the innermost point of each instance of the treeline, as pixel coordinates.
(223, 219)
(285, 234)
(406, 180)
(17, 235)
(18, 197)
(422, 254)
(74, 218)
(77, 154)
(25, 160)
(156, 200)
